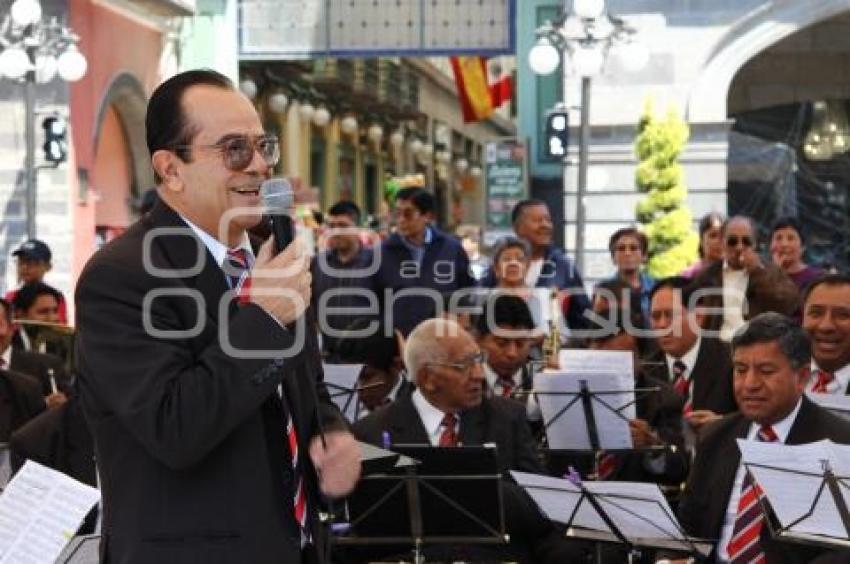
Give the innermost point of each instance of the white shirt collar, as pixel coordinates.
(7, 357)
(781, 428)
(493, 378)
(837, 386)
(689, 358)
(217, 249)
(432, 418)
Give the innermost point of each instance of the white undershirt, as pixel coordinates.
(535, 267)
(781, 428)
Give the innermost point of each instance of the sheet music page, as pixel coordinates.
(638, 509)
(791, 493)
(620, 363)
(39, 513)
(839, 404)
(557, 499)
(569, 429)
(341, 380)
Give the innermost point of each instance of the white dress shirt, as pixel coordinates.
(532, 410)
(734, 295)
(432, 418)
(781, 428)
(837, 386)
(535, 267)
(689, 359)
(217, 249)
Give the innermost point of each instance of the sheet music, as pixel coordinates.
(569, 430)
(638, 510)
(791, 494)
(619, 363)
(839, 404)
(40, 511)
(341, 380)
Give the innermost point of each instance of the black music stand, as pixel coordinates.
(452, 497)
(588, 399)
(830, 488)
(603, 506)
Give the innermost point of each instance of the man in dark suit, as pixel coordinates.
(20, 401)
(449, 408)
(741, 285)
(48, 369)
(206, 413)
(770, 356)
(826, 318)
(418, 264)
(698, 367)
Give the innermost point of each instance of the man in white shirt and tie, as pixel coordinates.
(770, 359)
(826, 318)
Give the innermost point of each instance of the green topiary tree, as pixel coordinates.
(666, 219)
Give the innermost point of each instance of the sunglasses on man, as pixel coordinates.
(734, 241)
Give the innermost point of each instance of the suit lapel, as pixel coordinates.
(473, 426)
(699, 373)
(805, 428)
(404, 423)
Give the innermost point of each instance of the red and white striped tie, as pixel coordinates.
(299, 498)
(744, 547)
(237, 268)
(682, 385)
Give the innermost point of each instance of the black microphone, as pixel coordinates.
(278, 199)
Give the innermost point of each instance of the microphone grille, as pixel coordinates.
(277, 195)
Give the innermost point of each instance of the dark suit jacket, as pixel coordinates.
(711, 375)
(39, 366)
(768, 289)
(20, 401)
(709, 486)
(189, 436)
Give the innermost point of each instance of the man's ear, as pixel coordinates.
(167, 166)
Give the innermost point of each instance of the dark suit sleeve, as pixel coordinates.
(578, 302)
(526, 459)
(175, 399)
(464, 279)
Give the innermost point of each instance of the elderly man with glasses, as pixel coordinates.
(214, 433)
(742, 285)
(449, 408)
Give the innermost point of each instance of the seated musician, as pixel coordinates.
(770, 355)
(449, 408)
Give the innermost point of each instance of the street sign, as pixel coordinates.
(505, 180)
(301, 29)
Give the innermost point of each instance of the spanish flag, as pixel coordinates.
(473, 89)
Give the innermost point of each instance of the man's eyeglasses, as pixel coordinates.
(238, 151)
(734, 240)
(466, 365)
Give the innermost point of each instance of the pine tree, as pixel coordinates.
(665, 217)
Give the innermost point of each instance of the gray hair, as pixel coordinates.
(423, 344)
(768, 327)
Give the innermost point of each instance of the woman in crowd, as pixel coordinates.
(510, 266)
(710, 243)
(786, 249)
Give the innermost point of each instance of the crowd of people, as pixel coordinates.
(212, 444)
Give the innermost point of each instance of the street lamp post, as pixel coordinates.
(33, 52)
(584, 38)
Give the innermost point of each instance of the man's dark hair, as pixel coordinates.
(346, 208)
(522, 205)
(7, 309)
(166, 124)
(621, 319)
(825, 280)
(768, 327)
(628, 232)
(680, 285)
(789, 222)
(421, 199)
(376, 350)
(504, 310)
(29, 293)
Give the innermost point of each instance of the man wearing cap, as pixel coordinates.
(33, 262)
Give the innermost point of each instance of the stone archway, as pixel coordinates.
(127, 97)
(762, 28)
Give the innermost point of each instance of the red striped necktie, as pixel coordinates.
(448, 438)
(299, 498)
(507, 387)
(682, 385)
(824, 379)
(745, 546)
(237, 267)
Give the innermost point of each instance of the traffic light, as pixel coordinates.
(557, 133)
(55, 139)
